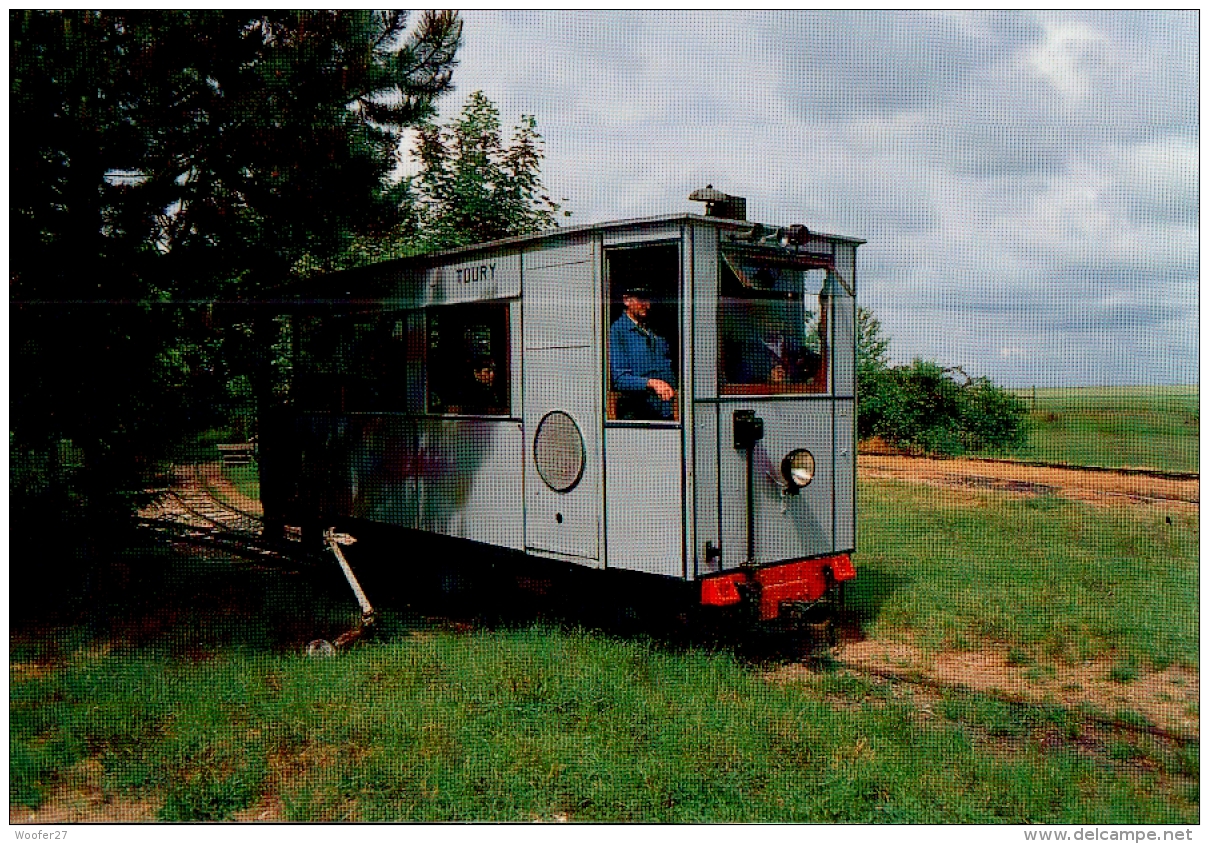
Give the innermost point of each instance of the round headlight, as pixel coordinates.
(798, 468)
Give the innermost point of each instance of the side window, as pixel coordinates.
(773, 326)
(467, 359)
(377, 364)
(643, 349)
(350, 363)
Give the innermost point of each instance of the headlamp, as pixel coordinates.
(798, 468)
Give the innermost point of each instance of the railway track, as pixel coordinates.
(1127, 471)
(1107, 470)
(1109, 740)
(190, 511)
(1106, 486)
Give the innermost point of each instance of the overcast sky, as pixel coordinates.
(1027, 183)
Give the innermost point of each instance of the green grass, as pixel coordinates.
(543, 723)
(1147, 427)
(1049, 579)
(186, 690)
(245, 478)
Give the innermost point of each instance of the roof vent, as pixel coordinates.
(719, 204)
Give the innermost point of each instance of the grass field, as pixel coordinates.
(1151, 427)
(547, 724)
(1058, 581)
(185, 697)
(246, 479)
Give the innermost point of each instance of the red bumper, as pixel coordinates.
(805, 580)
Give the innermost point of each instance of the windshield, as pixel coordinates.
(773, 325)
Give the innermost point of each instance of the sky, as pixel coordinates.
(1027, 182)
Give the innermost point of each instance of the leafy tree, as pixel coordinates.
(872, 346)
(169, 166)
(472, 187)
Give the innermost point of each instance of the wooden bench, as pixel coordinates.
(236, 454)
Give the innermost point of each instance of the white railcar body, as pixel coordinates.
(474, 394)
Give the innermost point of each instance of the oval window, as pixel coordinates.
(558, 451)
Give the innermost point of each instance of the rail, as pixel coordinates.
(1043, 464)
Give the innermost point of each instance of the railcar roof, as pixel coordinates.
(720, 222)
(444, 256)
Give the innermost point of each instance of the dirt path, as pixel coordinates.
(211, 475)
(1168, 699)
(1108, 489)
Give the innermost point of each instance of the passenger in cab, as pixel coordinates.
(761, 345)
(640, 366)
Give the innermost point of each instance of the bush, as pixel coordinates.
(923, 407)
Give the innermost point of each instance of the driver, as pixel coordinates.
(640, 366)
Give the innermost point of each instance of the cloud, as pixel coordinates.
(1025, 181)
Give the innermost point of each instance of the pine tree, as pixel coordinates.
(165, 163)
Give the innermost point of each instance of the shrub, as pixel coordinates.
(923, 407)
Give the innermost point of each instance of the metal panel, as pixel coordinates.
(560, 250)
(644, 510)
(473, 280)
(517, 359)
(705, 488)
(563, 371)
(560, 298)
(844, 322)
(845, 265)
(843, 339)
(564, 522)
(469, 483)
(845, 476)
(704, 280)
(689, 360)
(786, 526)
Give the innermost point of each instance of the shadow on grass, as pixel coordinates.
(190, 603)
(184, 602)
(866, 595)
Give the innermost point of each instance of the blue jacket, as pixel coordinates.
(635, 356)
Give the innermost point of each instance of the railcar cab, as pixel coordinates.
(673, 396)
(752, 473)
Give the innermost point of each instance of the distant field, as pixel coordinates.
(1150, 427)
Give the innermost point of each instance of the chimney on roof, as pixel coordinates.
(719, 204)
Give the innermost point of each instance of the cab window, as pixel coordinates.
(773, 322)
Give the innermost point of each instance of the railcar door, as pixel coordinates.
(563, 449)
(645, 390)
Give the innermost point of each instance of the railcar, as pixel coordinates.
(486, 394)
